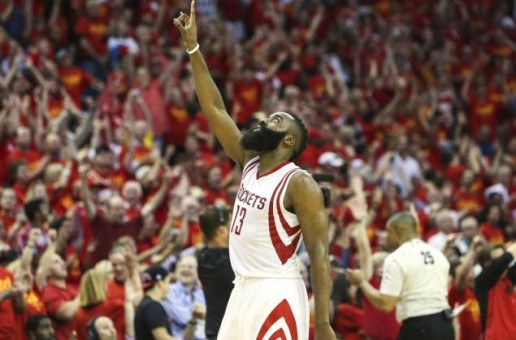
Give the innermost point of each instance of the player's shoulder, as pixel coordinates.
(302, 176)
(406, 251)
(302, 181)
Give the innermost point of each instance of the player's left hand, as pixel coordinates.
(355, 276)
(324, 332)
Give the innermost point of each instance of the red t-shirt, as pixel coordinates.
(53, 298)
(483, 112)
(501, 311)
(60, 199)
(108, 232)
(378, 324)
(55, 106)
(469, 319)
(492, 234)
(317, 86)
(95, 32)
(115, 291)
(466, 200)
(112, 309)
(213, 196)
(34, 306)
(75, 81)
(247, 97)
(179, 121)
(31, 157)
(8, 326)
(7, 221)
(154, 100)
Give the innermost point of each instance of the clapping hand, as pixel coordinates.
(199, 311)
(355, 276)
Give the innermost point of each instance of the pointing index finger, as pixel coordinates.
(192, 10)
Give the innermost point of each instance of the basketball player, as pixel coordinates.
(277, 205)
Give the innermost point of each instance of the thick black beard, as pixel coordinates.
(262, 139)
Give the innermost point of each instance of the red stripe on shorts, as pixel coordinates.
(282, 310)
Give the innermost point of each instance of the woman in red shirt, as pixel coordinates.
(94, 304)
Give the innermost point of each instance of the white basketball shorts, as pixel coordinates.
(266, 309)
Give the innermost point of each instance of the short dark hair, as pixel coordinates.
(153, 275)
(102, 149)
(32, 207)
(484, 255)
(404, 220)
(57, 223)
(32, 323)
(13, 167)
(93, 334)
(211, 219)
(301, 145)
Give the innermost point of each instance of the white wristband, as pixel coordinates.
(193, 50)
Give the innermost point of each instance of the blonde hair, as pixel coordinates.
(93, 287)
(105, 267)
(124, 241)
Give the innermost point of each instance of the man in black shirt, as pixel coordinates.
(498, 265)
(214, 268)
(151, 320)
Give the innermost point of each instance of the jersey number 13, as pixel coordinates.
(238, 220)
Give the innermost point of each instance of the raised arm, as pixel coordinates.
(463, 270)
(314, 227)
(87, 200)
(209, 96)
(156, 200)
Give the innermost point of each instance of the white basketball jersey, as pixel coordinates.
(264, 236)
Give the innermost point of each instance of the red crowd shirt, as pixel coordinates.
(75, 81)
(154, 101)
(483, 112)
(469, 319)
(115, 291)
(31, 157)
(247, 98)
(8, 328)
(34, 306)
(467, 200)
(7, 221)
(108, 232)
(492, 234)
(55, 106)
(95, 32)
(179, 121)
(378, 324)
(112, 309)
(53, 298)
(501, 311)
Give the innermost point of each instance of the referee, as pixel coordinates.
(415, 279)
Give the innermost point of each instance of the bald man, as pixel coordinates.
(277, 206)
(415, 281)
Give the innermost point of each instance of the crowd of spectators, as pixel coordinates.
(106, 161)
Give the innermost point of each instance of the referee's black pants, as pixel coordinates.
(427, 327)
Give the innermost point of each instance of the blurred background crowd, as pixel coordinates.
(106, 161)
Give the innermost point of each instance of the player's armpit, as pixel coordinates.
(304, 197)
